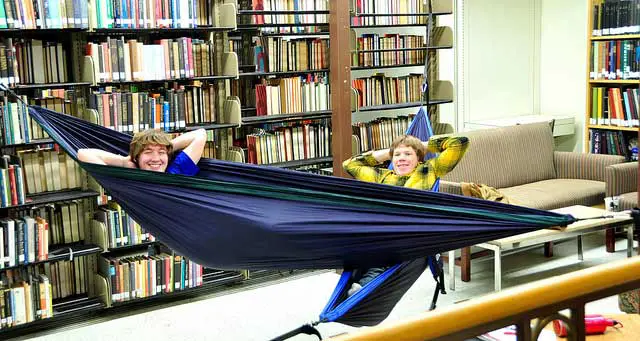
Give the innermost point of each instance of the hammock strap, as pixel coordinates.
(3, 87)
(425, 74)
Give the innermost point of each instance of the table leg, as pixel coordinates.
(580, 255)
(497, 272)
(548, 249)
(610, 240)
(465, 264)
(452, 270)
(630, 240)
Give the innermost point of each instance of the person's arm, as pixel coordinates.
(102, 157)
(191, 143)
(362, 167)
(450, 149)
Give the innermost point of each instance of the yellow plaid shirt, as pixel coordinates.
(451, 149)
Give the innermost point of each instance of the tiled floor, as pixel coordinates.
(264, 312)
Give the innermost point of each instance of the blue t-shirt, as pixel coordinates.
(183, 164)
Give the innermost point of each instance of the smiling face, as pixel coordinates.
(404, 160)
(151, 150)
(154, 157)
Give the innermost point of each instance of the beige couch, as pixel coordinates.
(520, 162)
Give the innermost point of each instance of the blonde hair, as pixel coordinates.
(148, 137)
(409, 141)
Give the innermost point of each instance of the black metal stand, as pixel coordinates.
(439, 278)
(308, 329)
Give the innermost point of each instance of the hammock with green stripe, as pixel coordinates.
(243, 216)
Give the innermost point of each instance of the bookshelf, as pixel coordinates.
(613, 78)
(283, 85)
(388, 48)
(79, 288)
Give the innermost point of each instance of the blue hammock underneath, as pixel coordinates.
(243, 216)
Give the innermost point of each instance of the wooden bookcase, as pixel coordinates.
(377, 38)
(611, 118)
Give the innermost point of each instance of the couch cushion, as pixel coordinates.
(556, 193)
(628, 201)
(508, 156)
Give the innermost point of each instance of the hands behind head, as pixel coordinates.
(128, 163)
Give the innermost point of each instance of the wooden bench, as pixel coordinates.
(578, 229)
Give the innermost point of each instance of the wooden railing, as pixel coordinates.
(539, 302)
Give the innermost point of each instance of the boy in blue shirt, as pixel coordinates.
(153, 150)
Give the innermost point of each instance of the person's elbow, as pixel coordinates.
(202, 132)
(84, 155)
(200, 135)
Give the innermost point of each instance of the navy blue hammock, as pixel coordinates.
(243, 216)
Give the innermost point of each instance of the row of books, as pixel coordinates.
(386, 42)
(67, 277)
(292, 6)
(148, 275)
(380, 89)
(284, 144)
(32, 61)
(278, 54)
(611, 142)
(167, 109)
(24, 301)
(380, 133)
(122, 230)
(47, 170)
(12, 182)
(154, 13)
(616, 17)
(389, 7)
(67, 221)
(44, 14)
(210, 149)
(118, 60)
(64, 101)
(615, 59)
(614, 106)
(293, 95)
(23, 240)
(16, 124)
(63, 223)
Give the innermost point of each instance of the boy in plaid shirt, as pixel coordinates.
(409, 170)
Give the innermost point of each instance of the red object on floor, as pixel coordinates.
(594, 324)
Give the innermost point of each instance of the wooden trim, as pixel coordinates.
(587, 118)
(510, 306)
(340, 76)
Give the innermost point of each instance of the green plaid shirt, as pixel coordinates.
(450, 150)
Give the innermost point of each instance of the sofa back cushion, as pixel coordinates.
(507, 156)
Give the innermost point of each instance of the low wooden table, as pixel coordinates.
(511, 244)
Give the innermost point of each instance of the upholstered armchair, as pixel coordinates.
(621, 185)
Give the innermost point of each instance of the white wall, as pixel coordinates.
(529, 60)
(500, 71)
(563, 64)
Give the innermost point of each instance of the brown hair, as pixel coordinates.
(409, 141)
(148, 137)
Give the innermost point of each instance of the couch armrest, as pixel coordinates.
(621, 178)
(583, 166)
(450, 187)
